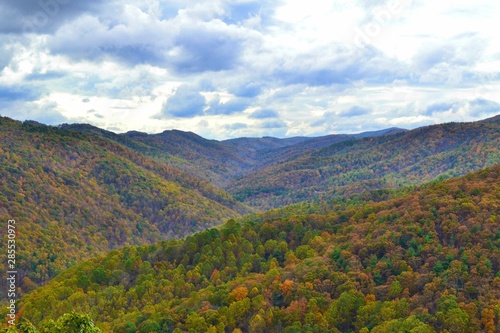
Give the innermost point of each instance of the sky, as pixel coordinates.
(226, 69)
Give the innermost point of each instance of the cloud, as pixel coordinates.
(234, 105)
(44, 16)
(207, 46)
(19, 93)
(439, 107)
(242, 11)
(482, 107)
(46, 76)
(276, 128)
(137, 40)
(449, 61)
(263, 114)
(6, 53)
(186, 102)
(461, 50)
(183, 43)
(340, 65)
(235, 126)
(272, 124)
(355, 111)
(249, 90)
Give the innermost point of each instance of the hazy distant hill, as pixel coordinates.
(75, 195)
(356, 165)
(427, 261)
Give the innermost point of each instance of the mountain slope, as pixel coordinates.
(296, 150)
(218, 162)
(76, 195)
(206, 159)
(427, 261)
(353, 166)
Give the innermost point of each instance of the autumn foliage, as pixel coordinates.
(424, 260)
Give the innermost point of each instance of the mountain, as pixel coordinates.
(219, 162)
(206, 159)
(419, 260)
(269, 172)
(387, 161)
(76, 195)
(296, 150)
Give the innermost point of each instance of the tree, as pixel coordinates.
(67, 323)
(196, 323)
(257, 324)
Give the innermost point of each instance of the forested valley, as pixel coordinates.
(389, 231)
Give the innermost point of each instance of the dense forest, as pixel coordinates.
(76, 195)
(267, 173)
(365, 245)
(422, 259)
(219, 162)
(390, 161)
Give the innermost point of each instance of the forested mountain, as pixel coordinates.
(219, 162)
(424, 261)
(206, 159)
(289, 152)
(268, 172)
(389, 161)
(76, 195)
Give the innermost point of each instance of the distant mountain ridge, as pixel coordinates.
(270, 172)
(219, 162)
(356, 165)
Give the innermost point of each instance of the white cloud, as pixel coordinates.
(231, 68)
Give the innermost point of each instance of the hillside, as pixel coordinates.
(76, 195)
(269, 172)
(354, 166)
(205, 159)
(296, 150)
(425, 261)
(219, 162)
(202, 158)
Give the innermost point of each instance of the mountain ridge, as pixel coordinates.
(219, 162)
(356, 165)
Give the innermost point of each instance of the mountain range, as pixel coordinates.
(269, 172)
(108, 215)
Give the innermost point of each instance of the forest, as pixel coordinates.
(389, 231)
(359, 165)
(425, 259)
(79, 195)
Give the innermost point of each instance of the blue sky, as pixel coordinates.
(226, 69)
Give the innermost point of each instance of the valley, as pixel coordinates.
(376, 232)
